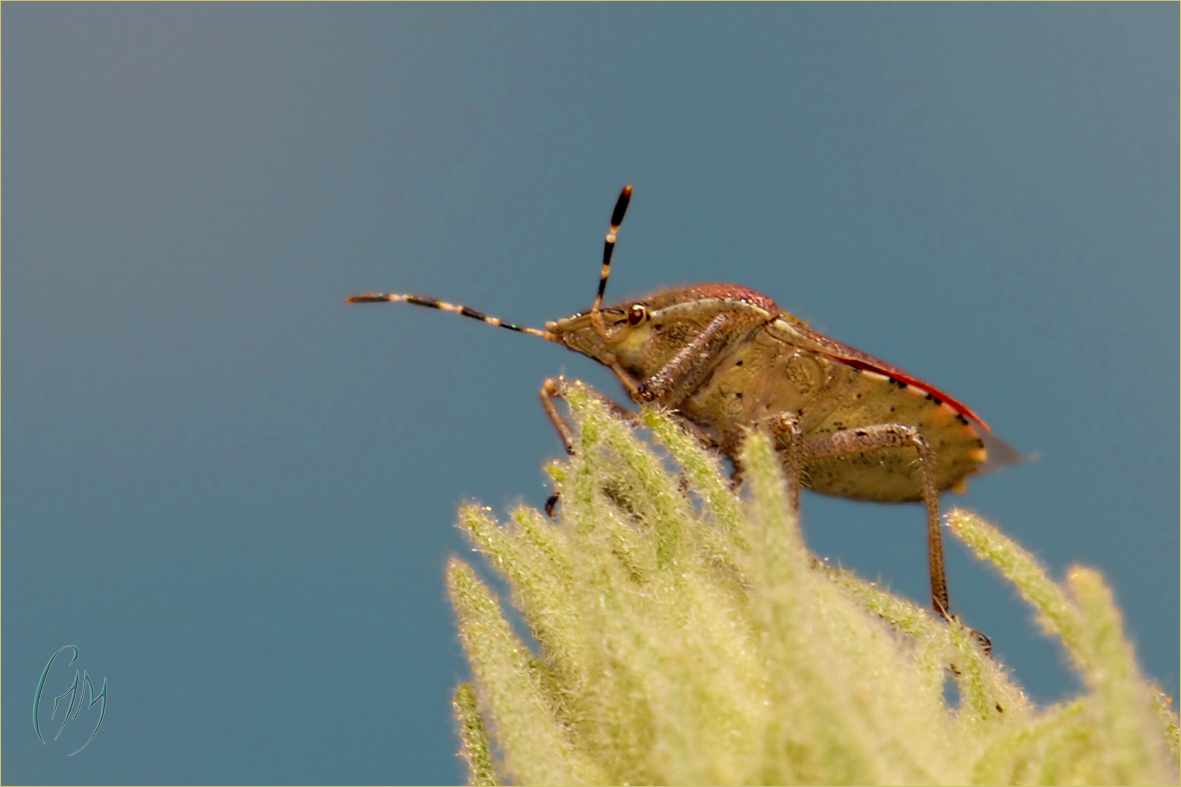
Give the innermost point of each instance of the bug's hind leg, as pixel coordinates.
(870, 438)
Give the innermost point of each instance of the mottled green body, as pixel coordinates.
(763, 362)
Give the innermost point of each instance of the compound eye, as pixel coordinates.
(636, 314)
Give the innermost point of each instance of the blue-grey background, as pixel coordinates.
(236, 495)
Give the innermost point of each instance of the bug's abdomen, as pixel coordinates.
(892, 474)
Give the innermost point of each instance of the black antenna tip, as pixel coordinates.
(625, 197)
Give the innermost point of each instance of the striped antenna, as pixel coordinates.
(431, 303)
(596, 315)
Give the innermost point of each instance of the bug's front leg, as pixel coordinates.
(555, 388)
(870, 438)
(552, 389)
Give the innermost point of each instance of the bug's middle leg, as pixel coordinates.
(789, 442)
(871, 438)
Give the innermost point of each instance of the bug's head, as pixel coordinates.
(607, 334)
(643, 336)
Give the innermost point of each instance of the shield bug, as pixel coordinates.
(723, 358)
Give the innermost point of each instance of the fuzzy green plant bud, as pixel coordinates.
(684, 634)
